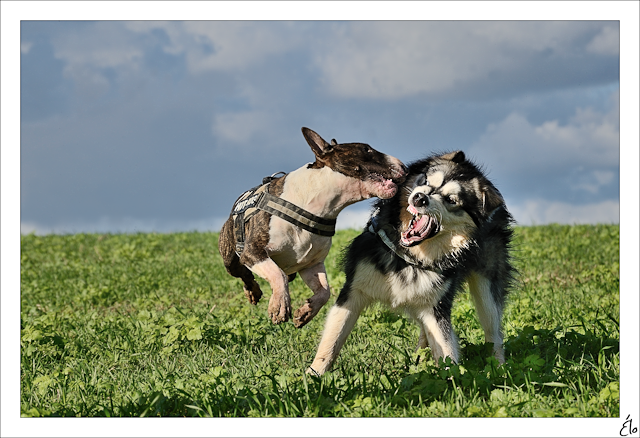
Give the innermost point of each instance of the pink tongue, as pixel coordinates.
(418, 231)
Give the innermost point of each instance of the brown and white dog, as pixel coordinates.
(276, 249)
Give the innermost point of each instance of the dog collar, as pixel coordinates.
(380, 232)
(259, 199)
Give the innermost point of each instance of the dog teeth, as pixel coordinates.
(411, 209)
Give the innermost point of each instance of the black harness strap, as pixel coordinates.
(297, 216)
(258, 198)
(375, 228)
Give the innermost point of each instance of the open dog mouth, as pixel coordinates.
(421, 227)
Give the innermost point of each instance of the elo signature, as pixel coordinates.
(631, 430)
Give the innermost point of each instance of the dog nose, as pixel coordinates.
(420, 200)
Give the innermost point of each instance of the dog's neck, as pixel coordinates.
(323, 191)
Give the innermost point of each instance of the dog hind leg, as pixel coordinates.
(226, 246)
(489, 311)
(251, 288)
(340, 321)
(316, 278)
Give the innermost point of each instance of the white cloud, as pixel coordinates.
(541, 212)
(88, 51)
(397, 59)
(25, 47)
(239, 127)
(364, 59)
(224, 45)
(124, 225)
(589, 141)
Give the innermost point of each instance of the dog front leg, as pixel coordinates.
(439, 335)
(316, 278)
(280, 301)
(340, 321)
(489, 310)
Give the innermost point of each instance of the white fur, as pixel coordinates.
(489, 313)
(417, 298)
(280, 301)
(342, 318)
(431, 335)
(322, 192)
(435, 179)
(451, 188)
(392, 291)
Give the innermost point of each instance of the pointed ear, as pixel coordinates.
(456, 157)
(334, 142)
(491, 199)
(317, 143)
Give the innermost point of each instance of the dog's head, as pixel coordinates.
(380, 174)
(443, 201)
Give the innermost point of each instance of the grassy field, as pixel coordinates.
(152, 325)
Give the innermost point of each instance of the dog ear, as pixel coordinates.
(334, 142)
(317, 143)
(456, 157)
(491, 199)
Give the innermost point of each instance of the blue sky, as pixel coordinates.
(159, 126)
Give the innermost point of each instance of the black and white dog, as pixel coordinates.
(285, 226)
(446, 225)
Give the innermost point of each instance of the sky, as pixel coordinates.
(132, 126)
(128, 123)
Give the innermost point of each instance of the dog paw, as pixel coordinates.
(254, 294)
(279, 311)
(303, 315)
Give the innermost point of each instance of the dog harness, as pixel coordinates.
(259, 199)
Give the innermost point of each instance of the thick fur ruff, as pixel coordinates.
(447, 225)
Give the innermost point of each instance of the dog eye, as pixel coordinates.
(450, 199)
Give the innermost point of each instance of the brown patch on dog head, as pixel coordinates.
(380, 173)
(456, 157)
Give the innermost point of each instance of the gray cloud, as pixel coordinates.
(164, 123)
(576, 160)
(465, 59)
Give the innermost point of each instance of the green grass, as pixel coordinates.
(152, 325)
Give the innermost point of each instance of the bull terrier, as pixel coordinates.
(285, 226)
